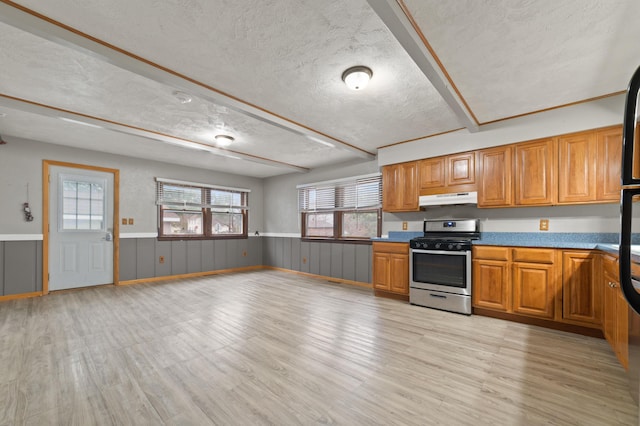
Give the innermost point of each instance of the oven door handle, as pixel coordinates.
(452, 253)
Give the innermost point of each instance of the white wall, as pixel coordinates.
(281, 195)
(591, 115)
(21, 164)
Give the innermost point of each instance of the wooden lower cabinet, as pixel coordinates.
(615, 316)
(491, 287)
(516, 280)
(581, 289)
(391, 267)
(534, 289)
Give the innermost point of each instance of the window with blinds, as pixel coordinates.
(194, 210)
(341, 209)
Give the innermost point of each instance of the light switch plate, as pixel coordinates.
(130, 221)
(405, 226)
(124, 220)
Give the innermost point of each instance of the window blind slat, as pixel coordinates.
(347, 194)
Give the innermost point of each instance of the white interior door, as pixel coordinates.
(80, 228)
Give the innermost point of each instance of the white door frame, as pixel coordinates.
(46, 165)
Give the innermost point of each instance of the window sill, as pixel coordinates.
(199, 238)
(364, 241)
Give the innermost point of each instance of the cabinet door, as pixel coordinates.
(534, 289)
(491, 287)
(622, 328)
(581, 290)
(495, 177)
(461, 169)
(390, 193)
(577, 168)
(382, 271)
(399, 275)
(609, 309)
(409, 186)
(535, 167)
(432, 175)
(608, 164)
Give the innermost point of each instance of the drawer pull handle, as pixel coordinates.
(439, 296)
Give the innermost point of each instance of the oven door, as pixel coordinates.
(447, 271)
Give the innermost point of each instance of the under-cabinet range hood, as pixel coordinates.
(448, 199)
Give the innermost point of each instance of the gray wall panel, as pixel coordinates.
(314, 258)
(2, 243)
(220, 257)
(295, 254)
(337, 251)
(20, 262)
(286, 252)
(363, 263)
(207, 255)
(163, 248)
(349, 262)
(146, 258)
(325, 259)
(243, 253)
(278, 247)
(255, 251)
(233, 254)
(194, 256)
(304, 256)
(128, 259)
(38, 266)
(270, 253)
(178, 257)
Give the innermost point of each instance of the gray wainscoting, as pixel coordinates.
(20, 267)
(140, 257)
(336, 260)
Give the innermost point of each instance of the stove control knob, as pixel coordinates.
(459, 247)
(450, 246)
(437, 245)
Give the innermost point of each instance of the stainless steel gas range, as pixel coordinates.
(440, 265)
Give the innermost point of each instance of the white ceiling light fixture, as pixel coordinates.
(357, 78)
(224, 140)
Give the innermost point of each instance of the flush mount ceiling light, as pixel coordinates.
(182, 97)
(357, 78)
(224, 140)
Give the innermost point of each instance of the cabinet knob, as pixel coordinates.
(612, 284)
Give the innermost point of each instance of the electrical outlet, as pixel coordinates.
(130, 221)
(405, 226)
(244, 253)
(544, 224)
(124, 220)
(304, 260)
(161, 259)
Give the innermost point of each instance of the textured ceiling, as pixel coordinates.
(268, 72)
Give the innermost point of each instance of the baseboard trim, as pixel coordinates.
(394, 296)
(586, 331)
(321, 277)
(191, 275)
(20, 296)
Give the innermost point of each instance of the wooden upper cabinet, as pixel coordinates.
(577, 167)
(534, 173)
(495, 166)
(609, 160)
(461, 169)
(400, 187)
(432, 173)
(447, 174)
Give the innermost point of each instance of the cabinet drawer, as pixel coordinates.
(400, 248)
(491, 252)
(610, 265)
(532, 255)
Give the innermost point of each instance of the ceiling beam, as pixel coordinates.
(30, 21)
(83, 119)
(395, 18)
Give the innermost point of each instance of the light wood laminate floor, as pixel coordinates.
(269, 347)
